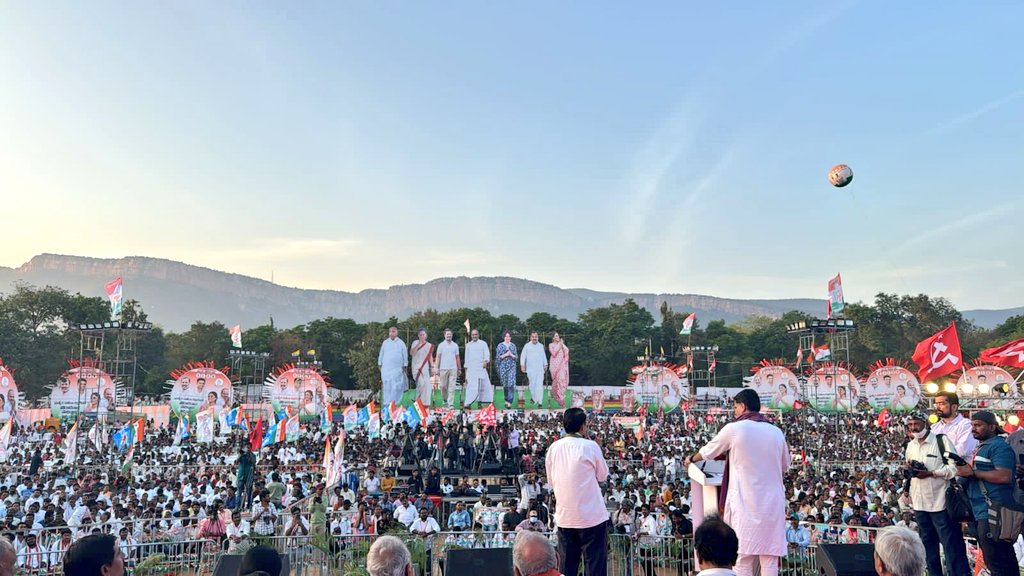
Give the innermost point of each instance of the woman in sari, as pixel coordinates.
(558, 365)
(506, 356)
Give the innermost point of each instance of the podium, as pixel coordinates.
(706, 477)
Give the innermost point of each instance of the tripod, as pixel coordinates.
(488, 451)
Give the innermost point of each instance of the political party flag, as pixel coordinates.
(327, 418)
(466, 324)
(821, 353)
(447, 415)
(71, 445)
(421, 410)
(5, 437)
(328, 463)
(836, 304)
(363, 416)
(256, 435)
(350, 417)
(292, 429)
(641, 429)
(311, 352)
(127, 464)
(412, 418)
(1009, 354)
(373, 428)
(799, 356)
(296, 353)
(488, 417)
(938, 354)
(270, 436)
(231, 417)
(884, 417)
(243, 421)
(339, 457)
(688, 324)
(222, 421)
(397, 413)
(115, 293)
(236, 336)
(714, 363)
(204, 427)
(138, 431)
(120, 438)
(182, 431)
(97, 436)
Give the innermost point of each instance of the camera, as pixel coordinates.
(911, 473)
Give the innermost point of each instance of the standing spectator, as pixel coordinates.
(264, 517)
(928, 496)
(425, 527)
(990, 478)
(953, 424)
(575, 467)
(898, 552)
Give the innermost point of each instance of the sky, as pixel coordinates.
(671, 147)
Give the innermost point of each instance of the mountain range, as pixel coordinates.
(175, 294)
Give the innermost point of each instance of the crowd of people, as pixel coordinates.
(846, 480)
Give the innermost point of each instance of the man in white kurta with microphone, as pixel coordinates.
(753, 499)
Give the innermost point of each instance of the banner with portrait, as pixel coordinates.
(777, 387)
(833, 388)
(987, 379)
(658, 387)
(197, 389)
(9, 397)
(300, 389)
(892, 387)
(83, 390)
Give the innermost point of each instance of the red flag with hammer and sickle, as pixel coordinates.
(1009, 354)
(939, 354)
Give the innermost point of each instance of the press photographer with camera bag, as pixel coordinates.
(927, 473)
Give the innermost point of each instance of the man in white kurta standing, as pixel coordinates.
(478, 383)
(393, 360)
(420, 351)
(448, 367)
(534, 363)
(753, 497)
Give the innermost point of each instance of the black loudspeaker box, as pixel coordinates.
(473, 562)
(228, 565)
(847, 559)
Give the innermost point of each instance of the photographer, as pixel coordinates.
(927, 471)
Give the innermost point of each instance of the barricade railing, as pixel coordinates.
(144, 558)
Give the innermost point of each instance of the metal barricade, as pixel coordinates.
(313, 554)
(630, 555)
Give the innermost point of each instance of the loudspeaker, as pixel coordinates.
(473, 562)
(490, 469)
(847, 559)
(228, 565)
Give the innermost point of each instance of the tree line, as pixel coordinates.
(37, 338)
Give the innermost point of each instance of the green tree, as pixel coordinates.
(605, 347)
(362, 357)
(203, 341)
(332, 337)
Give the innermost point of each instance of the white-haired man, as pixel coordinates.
(533, 554)
(388, 556)
(899, 552)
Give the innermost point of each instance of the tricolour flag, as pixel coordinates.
(939, 354)
(127, 464)
(397, 413)
(350, 416)
(688, 324)
(836, 304)
(236, 336)
(115, 293)
(821, 353)
(373, 428)
(292, 429)
(1009, 354)
(327, 418)
(182, 431)
(421, 410)
(328, 463)
(138, 431)
(204, 426)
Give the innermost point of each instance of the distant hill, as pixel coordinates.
(175, 294)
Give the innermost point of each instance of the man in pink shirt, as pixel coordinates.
(575, 467)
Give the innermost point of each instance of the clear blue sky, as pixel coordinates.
(656, 147)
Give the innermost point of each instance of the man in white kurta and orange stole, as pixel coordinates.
(478, 383)
(421, 352)
(753, 499)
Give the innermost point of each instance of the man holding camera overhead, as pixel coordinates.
(927, 470)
